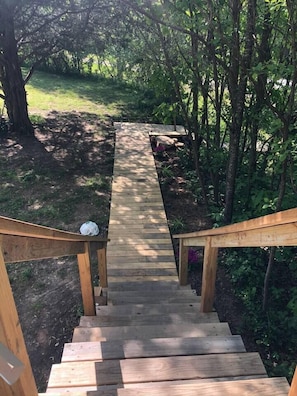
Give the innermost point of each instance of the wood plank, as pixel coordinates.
(121, 272)
(130, 252)
(245, 387)
(279, 218)
(155, 369)
(139, 259)
(149, 287)
(141, 240)
(149, 309)
(145, 319)
(82, 334)
(141, 265)
(11, 336)
(127, 300)
(151, 295)
(130, 349)
(141, 247)
(86, 284)
(145, 279)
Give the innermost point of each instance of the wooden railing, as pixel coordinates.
(20, 241)
(279, 229)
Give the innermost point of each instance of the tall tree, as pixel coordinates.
(31, 31)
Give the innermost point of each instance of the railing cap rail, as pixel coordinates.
(279, 218)
(15, 227)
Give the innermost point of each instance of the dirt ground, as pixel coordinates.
(64, 177)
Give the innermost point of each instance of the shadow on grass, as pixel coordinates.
(131, 103)
(61, 177)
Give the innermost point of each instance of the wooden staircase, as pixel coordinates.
(151, 339)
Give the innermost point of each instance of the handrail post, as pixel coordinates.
(183, 263)
(102, 266)
(12, 337)
(86, 284)
(209, 276)
(293, 388)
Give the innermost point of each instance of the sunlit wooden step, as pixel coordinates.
(85, 334)
(157, 347)
(249, 387)
(152, 296)
(116, 372)
(152, 319)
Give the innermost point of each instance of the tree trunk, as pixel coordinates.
(237, 82)
(11, 75)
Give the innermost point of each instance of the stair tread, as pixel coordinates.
(143, 283)
(82, 334)
(127, 349)
(149, 319)
(248, 387)
(148, 309)
(155, 369)
(153, 296)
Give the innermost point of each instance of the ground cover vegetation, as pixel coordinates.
(227, 70)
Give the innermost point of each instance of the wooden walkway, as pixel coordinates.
(151, 339)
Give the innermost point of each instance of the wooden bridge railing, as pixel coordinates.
(20, 241)
(279, 229)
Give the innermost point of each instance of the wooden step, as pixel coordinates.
(153, 296)
(145, 319)
(84, 334)
(147, 309)
(157, 347)
(249, 387)
(155, 280)
(141, 272)
(154, 369)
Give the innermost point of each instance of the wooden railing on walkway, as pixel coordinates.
(20, 241)
(278, 229)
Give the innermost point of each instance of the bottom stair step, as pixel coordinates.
(117, 372)
(251, 387)
(118, 349)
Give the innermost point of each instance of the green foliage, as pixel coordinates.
(275, 329)
(176, 225)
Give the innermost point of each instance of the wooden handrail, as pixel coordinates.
(21, 228)
(22, 241)
(278, 229)
(279, 218)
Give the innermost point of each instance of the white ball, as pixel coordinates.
(89, 228)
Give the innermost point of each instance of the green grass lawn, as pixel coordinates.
(47, 92)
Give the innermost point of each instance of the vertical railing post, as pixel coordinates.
(293, 388)
(11, 336)
(209, 276)
(183, 263)
(86, 284)
(102, 266)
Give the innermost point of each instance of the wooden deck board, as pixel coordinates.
(157, 347)
(156, 369)
(82, 334)
(245, 387)
(148, 309)
(145, 319)
(151, 339)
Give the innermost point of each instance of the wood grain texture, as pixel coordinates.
(120, 349)
(11, 336)
(248, 387)
(145, 319)
(156, 369)
(83, 334)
